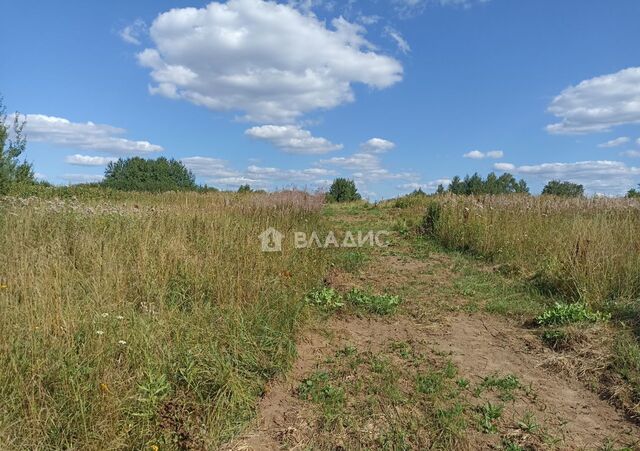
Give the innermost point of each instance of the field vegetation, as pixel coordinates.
(147, 321)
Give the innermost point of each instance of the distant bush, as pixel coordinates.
(634, 193)
(343, 190)
(476, 185)
(139, 174)
(565, 189)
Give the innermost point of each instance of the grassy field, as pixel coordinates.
(151, 321)
(135, 321)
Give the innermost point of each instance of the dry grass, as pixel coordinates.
(585, 249)
(155, 320)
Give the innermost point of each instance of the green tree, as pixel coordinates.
(244, 189)
(138, 174)
(440, 189)
(475, 185)
(565, 189)
(343, 190)
(456, 186)
(634, 193)
(11, 147)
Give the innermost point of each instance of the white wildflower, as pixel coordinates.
(100, 332)
(104, 315)
(122, 342)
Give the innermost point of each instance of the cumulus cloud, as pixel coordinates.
(85, 136)
(631, 153)
(613, 177)
(615, 142)
(377, 145)
(270, 61)
(133, 32)
(87, 160)
(477, 155)
(598, 104)
(209, 168)
(293, 139)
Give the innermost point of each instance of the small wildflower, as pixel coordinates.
(100, 332)
(154, 448)
(105, 315)
(104, 388)
(122, 342)
(3, 287)
(120, 317)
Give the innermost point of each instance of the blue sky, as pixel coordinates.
(397, 94)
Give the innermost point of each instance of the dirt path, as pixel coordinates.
(499, 366)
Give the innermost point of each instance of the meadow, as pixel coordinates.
(155, 321)
(147, 321)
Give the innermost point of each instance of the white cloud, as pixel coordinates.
(87, 160)
(504, 166)
(426, 186)
(377, 145)
(209, 168)
(400, 41)
(615, 142)
(411, 8)
(598, 104)
(358, 161)
(216, 172)
(477, 155)
(268, 60)
(133, 32)
(631, 153)
(293, 139)
(612, 177)
(85, 136)
(81, 178)
(366, 167)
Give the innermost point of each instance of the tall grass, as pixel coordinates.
(155, 320)
(584, 249)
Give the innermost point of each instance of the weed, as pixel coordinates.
(489, 414)
(325, 298)
(384, 304)
(505, 385)
(528, 423)
(561, 314)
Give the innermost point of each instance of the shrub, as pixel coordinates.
(138, 174)
(343, 190)
(634, 193)
(564, 189)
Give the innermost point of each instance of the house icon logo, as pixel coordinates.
(271, 240)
